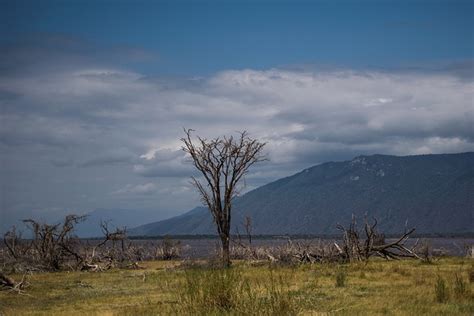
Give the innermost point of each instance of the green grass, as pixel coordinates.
(441, 290)
(378, 287)
(341, 277)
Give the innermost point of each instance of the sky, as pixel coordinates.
(94, 95)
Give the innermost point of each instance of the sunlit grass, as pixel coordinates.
(162, 288)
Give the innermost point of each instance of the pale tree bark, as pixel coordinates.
(223, 162)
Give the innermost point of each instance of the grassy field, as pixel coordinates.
(164, 288)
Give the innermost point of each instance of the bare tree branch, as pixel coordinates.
(356, 249)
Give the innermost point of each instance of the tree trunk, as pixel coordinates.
(225, 251)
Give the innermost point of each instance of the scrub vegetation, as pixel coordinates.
(405, 287)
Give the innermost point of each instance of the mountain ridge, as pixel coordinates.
(116, 217)
(432, 192)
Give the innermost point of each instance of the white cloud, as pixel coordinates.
(128, 127)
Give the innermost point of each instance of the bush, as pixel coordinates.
(441, 290)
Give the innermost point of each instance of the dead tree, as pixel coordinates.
(13, 241)
(222, 162)
(358, 248)
(247, 223)
(54, 244)
(119, 235)
(248, 228)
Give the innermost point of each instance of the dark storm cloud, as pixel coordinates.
(117, 158)
(62, 162)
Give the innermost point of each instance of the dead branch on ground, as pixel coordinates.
(356, 247)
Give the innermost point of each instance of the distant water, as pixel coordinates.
(202, 248)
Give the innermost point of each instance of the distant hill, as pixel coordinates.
(116, 218)
(434, 193)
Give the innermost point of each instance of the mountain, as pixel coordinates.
(434, 193)
(90, 227)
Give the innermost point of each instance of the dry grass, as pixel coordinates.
(396, 288)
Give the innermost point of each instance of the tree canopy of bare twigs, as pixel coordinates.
(52, 245)
(223, 162)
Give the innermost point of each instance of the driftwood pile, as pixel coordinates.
(355, 245)
(357, 248)
(288, 253)
(55, 247)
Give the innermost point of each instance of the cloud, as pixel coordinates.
(98, 110)
(140, 189)
(164, 162)
(87, 126)
(62, 162)
(113, 157)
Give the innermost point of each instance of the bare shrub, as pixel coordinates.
(425, 250)
(169, 249)
(52, 247)
(358, 248)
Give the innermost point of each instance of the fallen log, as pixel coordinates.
(6, 281)
(355, 247)
(9, 284)
(91, 267)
